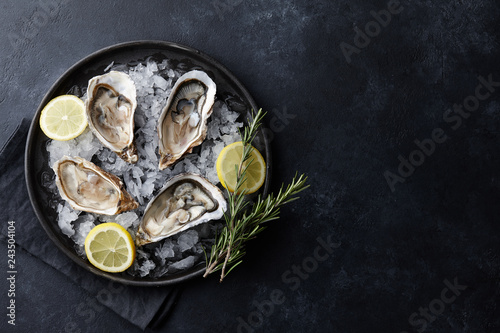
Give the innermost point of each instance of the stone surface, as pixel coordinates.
(351, 255)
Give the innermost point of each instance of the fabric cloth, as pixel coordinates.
(142, 306)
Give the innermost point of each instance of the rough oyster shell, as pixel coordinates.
(185, 201)
(88, 188)
(183, 122)
(110, 105)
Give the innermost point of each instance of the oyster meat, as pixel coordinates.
(88, 188)
(185, 201)
(183, 121)
(110, 105)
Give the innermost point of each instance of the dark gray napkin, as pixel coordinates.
(140, 305)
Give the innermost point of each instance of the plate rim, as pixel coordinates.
(28, 169)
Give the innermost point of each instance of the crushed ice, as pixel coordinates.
(142, 180)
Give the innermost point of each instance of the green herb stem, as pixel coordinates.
(243, 224)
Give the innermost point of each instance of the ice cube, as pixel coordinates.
(126, 219)
(160, 82)
(66, 216)
(166, 250)
(183, 264)
(146, 267)
(187, 240)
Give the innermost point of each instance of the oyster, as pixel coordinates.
(89, 188)
(110, 106)
(184, 202)
(183, 122)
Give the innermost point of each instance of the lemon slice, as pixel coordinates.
(63, 118)
(110, 247)
(227, 161)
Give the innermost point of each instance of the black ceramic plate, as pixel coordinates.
(229, 89)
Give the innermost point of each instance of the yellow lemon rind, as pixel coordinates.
(48, 112)
(123, 235)
(223, 168)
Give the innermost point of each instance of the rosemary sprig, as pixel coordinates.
(243, 224)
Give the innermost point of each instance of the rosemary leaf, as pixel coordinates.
(243, 223)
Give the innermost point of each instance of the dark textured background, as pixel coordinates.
(347, 125)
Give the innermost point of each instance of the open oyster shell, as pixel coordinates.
(183, 122)
(110, 105)
(185, 201)
(88, 188)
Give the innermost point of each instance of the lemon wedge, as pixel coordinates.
(110, 247)
(63, 118)
(227, 161)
